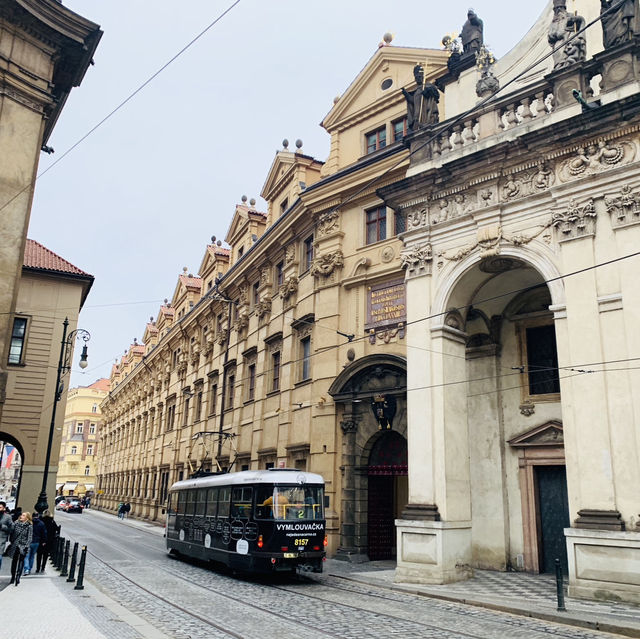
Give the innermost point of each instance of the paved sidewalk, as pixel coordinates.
(516, 593)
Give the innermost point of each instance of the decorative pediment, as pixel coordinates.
(281, 166)
(387, 63)
(547, 434)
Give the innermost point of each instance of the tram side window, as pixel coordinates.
(182, 501)
(191, 502)
(241, 497)
(201, 502)
(223, 501)
(212, 502)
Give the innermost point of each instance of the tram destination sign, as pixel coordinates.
(386, 304)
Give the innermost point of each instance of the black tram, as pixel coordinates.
(257, 521)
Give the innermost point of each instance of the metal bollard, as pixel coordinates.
(65, 559)
(58, 552)
(83, 558)
(74, 558)
(559, 588)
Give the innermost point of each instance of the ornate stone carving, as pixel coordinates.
(223, 335)
(458, 205)
(453, 319)
(265, 275)
(620, 25)
(194, 355)
(386, 334)
(289, 287)
(624, 208)
(263, 307)
(387, 254)
(242, 323)
(328, 223)
(472, 33)
(349, 426)
(422, 102)
(563, 26)
(325, 265)
(592, 158)
(289, 254)
(243, 294)
(418, 258)
(181, 365)
(208, 343)
(417, 218)
(527, 409)
(578, 220)
(489, 241)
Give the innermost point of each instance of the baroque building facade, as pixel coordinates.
(79, 443)
(522, 304)
(261, 344)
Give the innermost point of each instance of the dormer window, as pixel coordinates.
(240, 252)
(376, 139)
(284, 205)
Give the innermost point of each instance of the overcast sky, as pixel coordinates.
(141, 197)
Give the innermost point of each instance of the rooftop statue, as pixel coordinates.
(471, 36)
(619, 25)
(422, 103)
(563, 26)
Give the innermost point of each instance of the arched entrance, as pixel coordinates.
(388, 493)
(371, 393)
(11, 460)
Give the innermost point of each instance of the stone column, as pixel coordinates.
(347, 547)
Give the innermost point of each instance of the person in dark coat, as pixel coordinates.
(121, 510)
(20, 544)
(45, 548)
(38, 537)
(6, 526)
(127, 509)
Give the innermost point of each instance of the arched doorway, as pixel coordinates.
(11, 460)
(371, 393)
(388, 493)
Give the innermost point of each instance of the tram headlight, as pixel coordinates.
(260, 542)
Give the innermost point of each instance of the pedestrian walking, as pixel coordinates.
(44, 549)
(6, 526)
(127, 509)
(88, 504)
(121, 510)
(39, 536)
(20, 543)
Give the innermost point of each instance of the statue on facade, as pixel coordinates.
(471, 35)
(567, 49)
(620, 25)
(422, 103)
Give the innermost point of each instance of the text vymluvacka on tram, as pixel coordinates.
(257, 521)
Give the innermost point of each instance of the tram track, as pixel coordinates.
(314, 607)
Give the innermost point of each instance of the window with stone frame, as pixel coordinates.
(399, 129)
(307, 253)
(255, 294)
(375, 140)
(539, 359)
(171, 414)
(197, 408)
(92, 429)
(376, 224)
(274, 362)
(303, 328)
(279, 274)
(212, 398)
(18, 340)
(249, 358)
(275, 371)
(399, 223)
(230, 387)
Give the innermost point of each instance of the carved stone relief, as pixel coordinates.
(454, 206)
(417, 217)
(325, 265)
(595, 157)
(263, 307)
(289, 287)
(577, 221)
(328, 223)
(417, 259)
(243, 294)
(290, 254)
(623, 208)
(242, 322)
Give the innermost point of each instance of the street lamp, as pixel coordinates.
(64, 365)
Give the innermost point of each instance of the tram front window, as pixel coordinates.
(289, 502)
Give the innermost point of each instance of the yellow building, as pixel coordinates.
(51, 289)
(259, 345)
(79, 443)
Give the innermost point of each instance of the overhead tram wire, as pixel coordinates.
(122, 104)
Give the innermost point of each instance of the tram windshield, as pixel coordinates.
(289, 502)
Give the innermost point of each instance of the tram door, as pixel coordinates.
(388, 493)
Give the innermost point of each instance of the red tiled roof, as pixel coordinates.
(100, 384)
(152, 328)
(250, 209)
(191, 282)
(40, 257)
(167, 310)
(219, 250)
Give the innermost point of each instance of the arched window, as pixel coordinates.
(87, 470)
